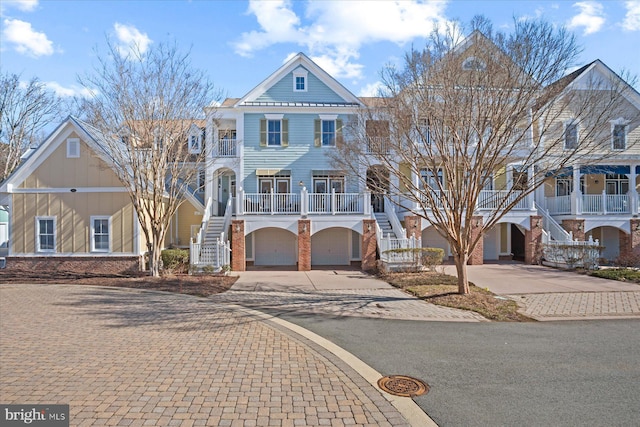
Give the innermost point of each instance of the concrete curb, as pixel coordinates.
(406, 406)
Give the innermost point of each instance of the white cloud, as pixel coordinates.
(591, 17)
(130, 39)
(23, 5)
(25, 39)
(372, 89)
(68, 92)
(632, 18)
(334, 31)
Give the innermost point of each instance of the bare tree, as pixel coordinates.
(25, 109)
(144, 104)
(449, 122)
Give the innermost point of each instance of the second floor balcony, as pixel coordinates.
(594, 204)
(303, 203)
(490, 200)
(226, 148)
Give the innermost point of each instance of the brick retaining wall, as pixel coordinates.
(99, 265)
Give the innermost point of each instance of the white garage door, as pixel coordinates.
(431, 239)
(330, 247)
(611, 243)
(275, 247)
(491, 243)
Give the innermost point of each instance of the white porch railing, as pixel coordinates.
(205, 219)
(227, 148)
(303, 203)
(228, 213)
(605, 203)
(572, 254)
(216, 255)
(497, 199)
(387, 244)
(390, 211)
(555, 230)
(378, 145)
(558, 205)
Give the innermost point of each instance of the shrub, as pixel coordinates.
(416, 257)
(176, 260)
(628, 260)
(622, 274)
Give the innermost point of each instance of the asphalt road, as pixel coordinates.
(573, 373)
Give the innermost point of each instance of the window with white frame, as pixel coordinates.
(274, 131)
(564, 187)
(619, 136)
(300, 80)
(73, 148)
(425, 129)
(195, 143)
(571, 136)
(430, 179)
(100, 234)
(45, 234)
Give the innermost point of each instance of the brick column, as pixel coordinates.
(238, 255)
(477, 255)
(413, 225)
(575, 226)
(369, 245)
(533, 240)
(304, 245)
(630, 243)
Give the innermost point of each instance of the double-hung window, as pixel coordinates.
(619, 137)
(45, 234)
(571, 136)
(274, 131)
(328, 130)
(100, 234)
(300, 80)
(274, 135)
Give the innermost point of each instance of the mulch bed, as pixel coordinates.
(199, 285)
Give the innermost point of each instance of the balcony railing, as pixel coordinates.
(303, 203)
(378, 145)
(591, 204)
(227, 148)
(490, 200)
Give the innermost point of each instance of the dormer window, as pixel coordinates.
(300, 80)
(196, 136)
(473, 64)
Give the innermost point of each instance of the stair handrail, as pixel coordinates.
(205, 219)
(378, 230)
(228, 213)
(555, 230)
(390, 212)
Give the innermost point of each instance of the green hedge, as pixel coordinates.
(176, 260)
(427, 257)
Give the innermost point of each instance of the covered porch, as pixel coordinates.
(593, 190)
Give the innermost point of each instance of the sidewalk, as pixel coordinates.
(134, 358)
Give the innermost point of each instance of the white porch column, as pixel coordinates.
(415, 179)
(576, 196)
(633, 193)
(530, 184)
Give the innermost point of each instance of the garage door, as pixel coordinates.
(490, 244)
(274, 246)
(431, 239)
(330, 247)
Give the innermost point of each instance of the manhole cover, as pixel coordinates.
(401, 385)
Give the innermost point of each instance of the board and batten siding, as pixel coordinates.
(73, 212)
(316, 91)
(300, 156)
(58, 171)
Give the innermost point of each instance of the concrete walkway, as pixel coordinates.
(334, 292)
(551, 294)
(134, 358)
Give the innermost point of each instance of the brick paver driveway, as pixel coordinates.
(123, 357)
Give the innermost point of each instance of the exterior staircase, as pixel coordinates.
(214, 229)
(385, 225)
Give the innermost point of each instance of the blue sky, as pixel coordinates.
(239, 43)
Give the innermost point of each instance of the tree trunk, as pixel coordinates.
(461, 269)
(155, 250)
